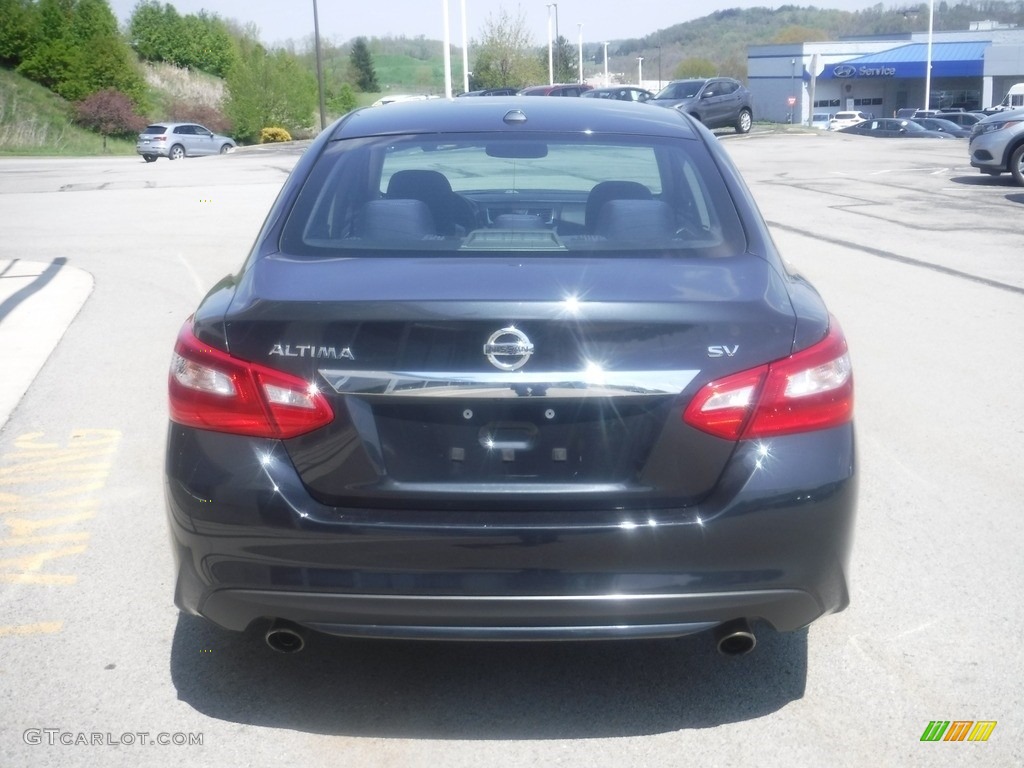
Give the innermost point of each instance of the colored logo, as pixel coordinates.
(958, 730)
(844, 70)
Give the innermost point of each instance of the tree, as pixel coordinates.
(49, 55)
(16, 31)
(78, 51)
(341, 101)
(110, 113)
(505, 56)
(695, 67)
(188, 111)
(268, 89)
(362, 65)
(155, 31)
(734, 66)
(799, 34)
(197, 41)
(209, 46)
(564, 61)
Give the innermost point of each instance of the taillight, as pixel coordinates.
(210, 389)
(812, 389)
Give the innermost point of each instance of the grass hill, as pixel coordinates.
(721, 38)
(724, 36)
(35, 121)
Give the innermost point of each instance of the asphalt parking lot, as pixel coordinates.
(917, 254)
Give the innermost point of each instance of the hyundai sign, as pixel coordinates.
(844, 71)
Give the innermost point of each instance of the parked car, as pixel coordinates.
(821, 120)
(963, 119)
(911, 112)
(845, 119)
(997, 144)
(396, 98)
(893, 128)
(942, 126)
(492, 92)
(620, 93)
(177, 140)
(512, 369)
(558, 89)
(718, 102)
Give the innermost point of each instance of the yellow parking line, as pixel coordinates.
(42, 628)
(24, 541)
(46, 579)
(77, 470)
(34, 562)
(20, 528)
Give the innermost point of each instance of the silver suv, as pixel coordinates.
(718, 102)
(997, 144)
(177, 140)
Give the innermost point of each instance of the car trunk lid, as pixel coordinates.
(509, 382)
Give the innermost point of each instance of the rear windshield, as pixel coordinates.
(500, 193)
(155, 129)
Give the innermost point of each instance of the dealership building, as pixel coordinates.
(972, 69)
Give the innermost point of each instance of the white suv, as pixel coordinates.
(844, 119)
(177, 140)
(997, 144)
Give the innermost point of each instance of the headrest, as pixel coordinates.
(394, 220)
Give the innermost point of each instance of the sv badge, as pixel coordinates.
(723, 350)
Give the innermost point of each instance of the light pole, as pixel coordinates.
(928, 62)
(319, 68)
(606, 83)
(640, 71)
(465, 51)
(792, 88)
(558, 42)
(447, 55)
(551, 56)
(659, 65)
(579, 40)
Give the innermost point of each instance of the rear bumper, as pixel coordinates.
(772, 543)
(511, 618)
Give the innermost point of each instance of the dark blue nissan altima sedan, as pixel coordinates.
(507, 370)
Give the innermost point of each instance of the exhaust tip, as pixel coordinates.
(735, 638)
(285, 637)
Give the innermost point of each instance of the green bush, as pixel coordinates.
(272, 135)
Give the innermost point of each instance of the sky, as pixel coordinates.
(342, 20)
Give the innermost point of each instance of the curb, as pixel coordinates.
(38, 302)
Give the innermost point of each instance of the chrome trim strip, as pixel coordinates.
(488, 384)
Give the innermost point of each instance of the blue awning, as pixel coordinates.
(908, 61)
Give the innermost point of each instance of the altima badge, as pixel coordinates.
(312, 350)
(508, 349)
